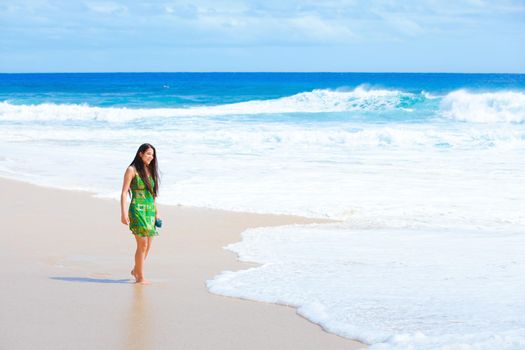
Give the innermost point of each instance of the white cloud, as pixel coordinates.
(229, 23)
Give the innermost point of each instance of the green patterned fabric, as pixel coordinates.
(142, 209)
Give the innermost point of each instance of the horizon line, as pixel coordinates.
(261, 72)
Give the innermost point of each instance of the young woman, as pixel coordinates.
(141, 180)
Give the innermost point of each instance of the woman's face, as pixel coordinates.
(147, 156)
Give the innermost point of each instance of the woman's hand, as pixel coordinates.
(124, 219)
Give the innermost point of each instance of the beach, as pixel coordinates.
(66, 267)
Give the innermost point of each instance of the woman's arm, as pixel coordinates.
(157, 215)
(128, 176)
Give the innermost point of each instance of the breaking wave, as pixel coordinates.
(316, 101)
(486, 107)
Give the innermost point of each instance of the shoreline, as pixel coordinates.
(60, 263)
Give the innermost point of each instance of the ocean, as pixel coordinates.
(423, 175)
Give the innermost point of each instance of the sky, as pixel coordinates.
(262, 36)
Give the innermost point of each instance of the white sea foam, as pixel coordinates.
(395, 289)
(328, 137)
(487, 107)
(430, 96)
(336, 170)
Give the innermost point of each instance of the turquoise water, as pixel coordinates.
(156, 90)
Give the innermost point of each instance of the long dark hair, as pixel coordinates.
(153, 168)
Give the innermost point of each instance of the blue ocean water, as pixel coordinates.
(154, 90)
(423, 172)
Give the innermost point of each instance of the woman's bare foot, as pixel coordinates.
(136, 277)
(142, 281)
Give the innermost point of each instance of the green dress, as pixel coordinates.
(142, 209)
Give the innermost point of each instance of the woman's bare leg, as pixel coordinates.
(142, 247)
(150, 240)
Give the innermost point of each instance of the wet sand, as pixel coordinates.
(66, 262)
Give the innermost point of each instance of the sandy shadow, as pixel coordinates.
(93, 280)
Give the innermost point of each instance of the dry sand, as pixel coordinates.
(66, 282)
